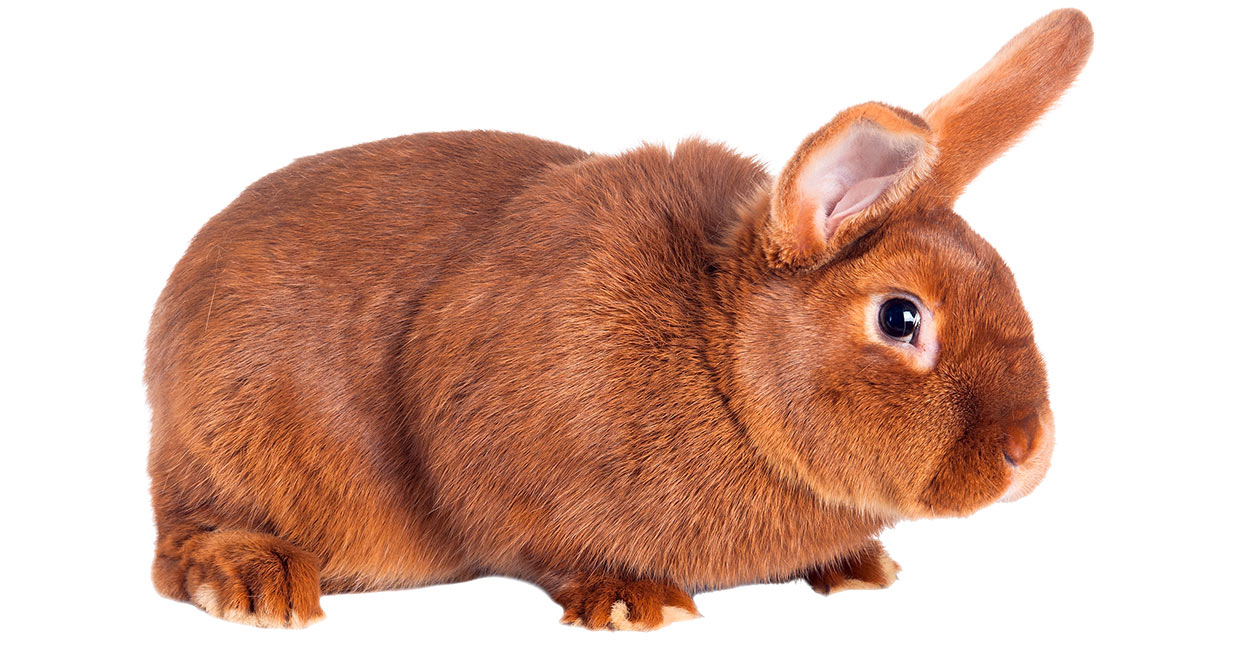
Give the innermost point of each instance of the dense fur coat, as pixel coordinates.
(625, 378)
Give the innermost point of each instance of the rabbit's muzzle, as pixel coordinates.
(1027, 448)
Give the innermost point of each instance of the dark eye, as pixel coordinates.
(899, 318)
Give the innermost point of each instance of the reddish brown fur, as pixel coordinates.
(589, 598)
(794, 240)
(446, 355)
(866, 567)
(990, 110)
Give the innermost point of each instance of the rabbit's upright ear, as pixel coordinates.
(843, 179)
(989, 111)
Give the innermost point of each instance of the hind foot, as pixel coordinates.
(243, 577)
(603, 602)
(869, 568)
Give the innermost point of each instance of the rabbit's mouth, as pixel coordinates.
(992, 461)
(1030, 459)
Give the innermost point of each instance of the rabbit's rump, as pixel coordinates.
(272, 375)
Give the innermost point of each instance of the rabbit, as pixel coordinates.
(624, 378)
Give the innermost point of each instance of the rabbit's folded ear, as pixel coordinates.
(989, 111)
(844, 178)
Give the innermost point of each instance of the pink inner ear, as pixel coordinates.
(855, 172)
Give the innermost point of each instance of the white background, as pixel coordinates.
(1123, 215)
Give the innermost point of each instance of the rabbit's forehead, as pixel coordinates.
(954, 272)
(938, 261)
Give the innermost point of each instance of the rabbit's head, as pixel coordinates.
(886, 359)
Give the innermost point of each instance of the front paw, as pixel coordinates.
(869, 568)
(603, 602)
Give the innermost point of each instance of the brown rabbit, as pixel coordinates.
(624, 378)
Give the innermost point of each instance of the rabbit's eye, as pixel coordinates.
(899, 319)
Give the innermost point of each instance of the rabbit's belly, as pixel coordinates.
(689, 551)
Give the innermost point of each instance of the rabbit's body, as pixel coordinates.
(624, 378)
(432, 380)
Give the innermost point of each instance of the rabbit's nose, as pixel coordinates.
(1027, 448)
(1019, 444)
